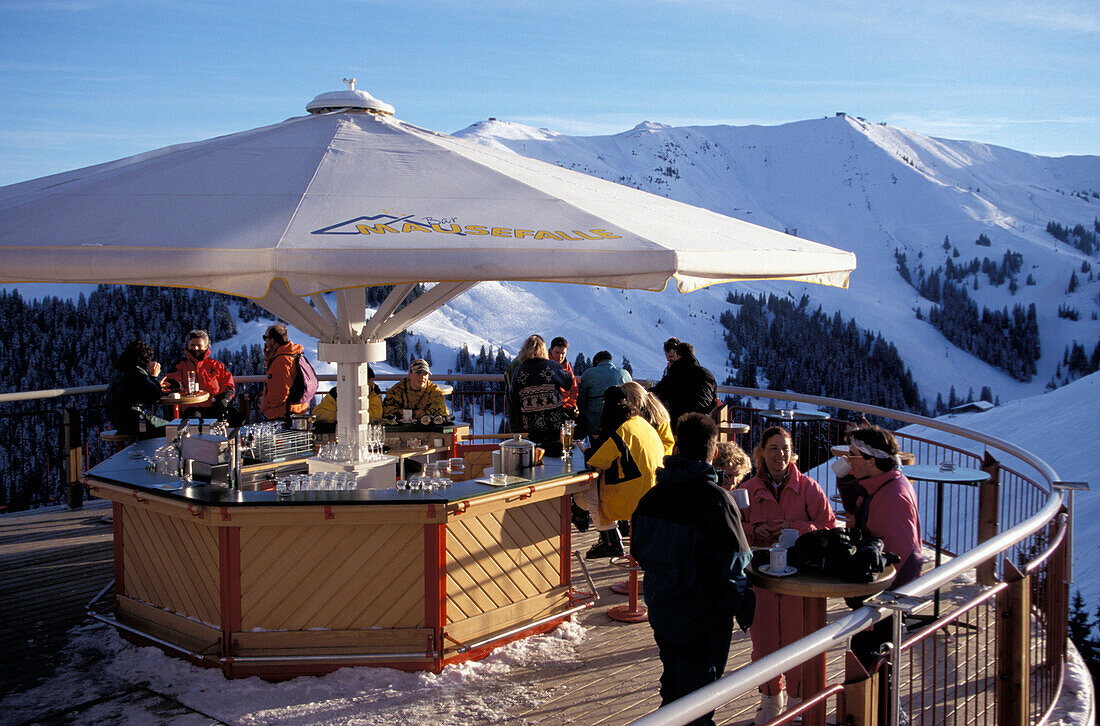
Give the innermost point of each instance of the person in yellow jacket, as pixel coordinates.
(416, 393)
(325, 411)
(628, 451)
(652, 410)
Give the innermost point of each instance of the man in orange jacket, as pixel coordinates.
(279, 355)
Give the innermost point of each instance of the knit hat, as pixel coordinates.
(419, 366)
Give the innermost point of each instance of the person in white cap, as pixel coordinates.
(415, 393)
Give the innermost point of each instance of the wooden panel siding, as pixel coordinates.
(500, 558)
(342, 577)
(171, 562)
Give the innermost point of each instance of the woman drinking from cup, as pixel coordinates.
(885, 506)
(780, 498)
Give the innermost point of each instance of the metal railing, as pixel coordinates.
(967, 666)
(940, 679)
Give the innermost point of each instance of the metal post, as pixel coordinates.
(74, 458)
(901, 605)
(989, 504)
(1013, 649)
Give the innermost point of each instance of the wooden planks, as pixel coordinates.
(501, 558)
(171, 563)
(341, 577)
(54, 562)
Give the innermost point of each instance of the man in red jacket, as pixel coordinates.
(210, 376)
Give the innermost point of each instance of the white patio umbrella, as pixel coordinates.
(348, 197)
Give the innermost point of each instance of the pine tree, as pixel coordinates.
(1079, 626)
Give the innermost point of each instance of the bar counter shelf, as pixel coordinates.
(278, 586)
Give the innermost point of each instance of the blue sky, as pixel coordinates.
(86, 81)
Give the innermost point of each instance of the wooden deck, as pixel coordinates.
(55, 561)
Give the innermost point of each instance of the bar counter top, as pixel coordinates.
(128, 469)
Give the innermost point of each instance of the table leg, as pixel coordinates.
(813, 670)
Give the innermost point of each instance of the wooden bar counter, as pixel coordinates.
(258, 584)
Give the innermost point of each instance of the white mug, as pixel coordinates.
(788, 537)
(777, 558)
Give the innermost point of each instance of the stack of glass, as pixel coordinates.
(436, 476)
(318, 481)
(165, 460)
(370, 448)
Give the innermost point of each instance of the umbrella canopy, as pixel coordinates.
(348, 197)
(352, 197)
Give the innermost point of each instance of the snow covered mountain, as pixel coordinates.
(869, 188)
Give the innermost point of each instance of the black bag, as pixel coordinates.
(840, 553)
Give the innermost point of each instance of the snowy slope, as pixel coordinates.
(1061, 428)
(872, 189)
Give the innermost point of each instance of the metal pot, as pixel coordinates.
(516, 455)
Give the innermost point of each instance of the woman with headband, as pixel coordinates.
(884, 505)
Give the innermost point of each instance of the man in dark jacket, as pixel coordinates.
(687, 387)
(687, 537)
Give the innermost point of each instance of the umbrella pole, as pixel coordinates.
(353, 393)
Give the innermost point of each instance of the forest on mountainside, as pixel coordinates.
(62, 343)
(780, 343)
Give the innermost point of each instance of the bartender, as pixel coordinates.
(415, 393)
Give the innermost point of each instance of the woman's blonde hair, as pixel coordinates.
(730, 454)
(649, 406)
(533, 347)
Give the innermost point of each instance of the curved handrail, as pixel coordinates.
(1030, 458)
(748, 677)
(744, 679)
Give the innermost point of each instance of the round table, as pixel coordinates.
(939, 476)
(733, 428)
(817, 590)
(188, 399)
(780, 415)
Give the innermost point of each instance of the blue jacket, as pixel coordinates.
(594, 382)
(686, 534)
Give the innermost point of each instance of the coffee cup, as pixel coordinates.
(407, 415)
(788, 537)
(777, 558)
(741, 498)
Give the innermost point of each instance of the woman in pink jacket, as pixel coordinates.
(780, 497)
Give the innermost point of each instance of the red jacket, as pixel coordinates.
(211, 375)
(802, 502)
(569, 396)
(280, 376)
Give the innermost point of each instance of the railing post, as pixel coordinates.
(73, 445)
(1056, 605)
(1014, 649)
(858, 704)
(244, 401)
(989, 508)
